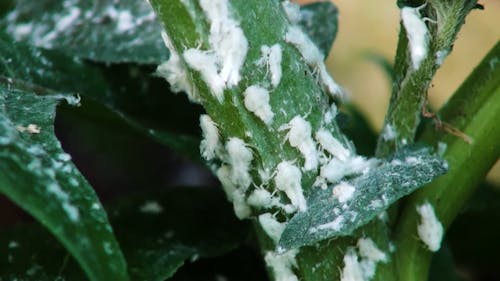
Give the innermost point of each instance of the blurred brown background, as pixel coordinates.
(373, 26)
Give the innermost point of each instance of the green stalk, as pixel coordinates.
(409, 92)
(474, 110)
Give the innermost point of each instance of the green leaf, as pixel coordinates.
(108, 31)
(158, 232)
(320, 21)
(130, 92)
(37, 175)
(375, 191)
(443, 267)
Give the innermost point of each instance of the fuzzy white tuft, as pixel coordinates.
(239, 158)
(227, 40)
(257, 101)
(343, 191)
(336, 169)
(289, 180)
(299, 136)
(311, 54)
(282, 265)
(241, 208)
(272, 56)
(430, 230)
(369, 250)
(210, 142)
(417, 33)
(175, 72)
(389, 132)
(352, 270)
(292, 11)
(271, 226)
(205, 62)
(332, 145)
(224, 176)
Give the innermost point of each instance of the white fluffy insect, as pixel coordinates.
(205, 62)
(311, 54)
(257, 101)
(352, 270)
(175, 72)
(282, 265)
(314, 58)
(343, 191)
(210, 142)
(369, 250)
(262, 199)
(271, 226)
(224, 176)
(227, 39)
(239, 158)
(417, 33)
(289, 180)
(332, 145)
(336, 169)
(389, 132)
(292, 11)
(272, 56)
(240, 206)
(430, 229)
(299, 136)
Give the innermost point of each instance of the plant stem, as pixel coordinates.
(409, 93)
(475, 110)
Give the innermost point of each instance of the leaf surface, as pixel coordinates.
(374, 192)
(108, 31)
(320, 21)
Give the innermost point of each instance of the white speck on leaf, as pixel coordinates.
(271, 226)
(239, 158)
(205, 62)
(282, 265)
(332, 145)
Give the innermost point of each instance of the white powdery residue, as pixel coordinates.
(311, 54)
(289, 180)
(241, 208)
(210, 142)
(441, 56)
(343, 191)
(330, 114)
(257, 101)
(336, 169)
(430, 229)
(272, 57)
(292, 11)
(151, 207)
(205, 62)
(71, 211)
(334, 225)
(299, 136)
(412, 160)
(389, 132)
(282, 265)
(125, 21)
(66, 21)
(332, 145)
(175, 72)
(224, 176)
(227, 40)
(352, 270)
(417, 33)
(239, 158)
(22, 30)
(271, 226)
(369, 250)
